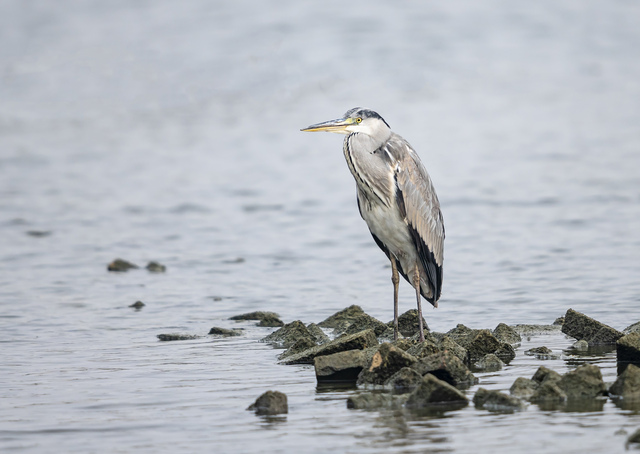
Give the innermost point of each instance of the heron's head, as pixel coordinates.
(355, 120)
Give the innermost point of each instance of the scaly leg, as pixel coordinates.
(396, 281)
(416, 283)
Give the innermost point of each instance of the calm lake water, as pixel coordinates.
(170, 131)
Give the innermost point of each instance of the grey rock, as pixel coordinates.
(137, 305)
(544, 374)
(481, 344)
(177, 337)
(489, 363)
(271, 321)
(447, 344)
(404, 381)
(634, 328)
(270, 403)
(505, 333)
(547, 392)
(358, 341)
(224, 332)
(497, 401)
(342, 319)
(363, 322)
(579, 326)
(585, 382)
(341, 367)
(627, 385)
(581, 345)
(422, 349)
(523, 388)
(155, 267)
(448, 367)
(288, 335)
(256, 315)
(409, 325)
(434, 391)
(375, 401)
(119, 265)
(302, 344)
(628, 348)
(385, 362)
(318, 335)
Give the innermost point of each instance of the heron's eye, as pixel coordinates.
(358, 120)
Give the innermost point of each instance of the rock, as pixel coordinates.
(342, 319)
(288, 335)
(448, 367)
(363, 322)
(627, 384)
(270, 403)
(404, 381)
(156, 267)
(497, 401)
(375, 401)
(449, 345)
(408, 323)
(302, 344)
(177, 337)
(504, 333)
(482, 343)
(505, 352)
(224, 332)
(635, 328)
(581, 345)
(120, 265)
(579, 326)
(137, 305)
(257, 315)
(544, 374)
(38, 233)
(461, 334)
(318, 335)
(634, 437)
(341, 367)
(406, 344)
(628, 348)
(385, 362)
(548, 392)
(559, 321)
(523, 388)
(489, 363)
(358, 341)
(422, 349)
(271, 321)
(541, 353)
(434, 391)
(535, 330)
(585, 382)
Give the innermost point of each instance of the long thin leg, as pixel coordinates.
(416, 283)
(396, 281)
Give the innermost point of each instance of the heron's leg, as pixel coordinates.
(416, 283)
(396, 281)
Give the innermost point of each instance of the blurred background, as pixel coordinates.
(170, 131)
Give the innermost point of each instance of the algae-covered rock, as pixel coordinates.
(447, 367)
(585, 382)
(137, 305)
(547, 392)
(497, 401)
(541, 353)
(119, 265)
(271, 321)
(422, 349)
(385, 362)
(505, 333)
(628, 348)
(270, 403)
(155, 267)
(481, 344)
(216, 331)
(627, 385)
(177, 337)
(544, 374)
(404, 381)
(505, 352)
(256, 315)
(318, 335)
(375, 401)
(358, 341)
(489, 363)
(633, 328)
(579, 326)
(447, 344)
(342, 319)
(363, 322)
(288, 335)
(523, 388)
(302, 344)
(434, 391)
(409, 324)
(341, 367)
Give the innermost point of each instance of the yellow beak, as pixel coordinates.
(338, 126)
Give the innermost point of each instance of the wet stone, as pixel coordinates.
(585, 382)
(256, 315)
(523, 388)
(496, 401)
(404, 381)
(155, 267)
(559, 321)
(271, 321)
(341, 320)
(341, 367)
(505, 352)
(449, 345)
(581, 345)
(422, 349)
(634, 328)
(535, 330)
(505, 333)
(544, 374)
(363, 322)
(119, 265)
(375, 401)
(177, 337)
(447, 367)
(541, 353)
(288, 335)
(548, 392)
(137, 305)
(318, 335)
(270, 403)
(434, 391)
(302, 344)
(385, 362)
(489, 363)
(358, 341)
(628, 348)
(627, 385)
(481, 344)
(409, 324)
(579, 326)
(215, 331)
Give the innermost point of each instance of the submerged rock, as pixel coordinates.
(627, 385)
(541, 353)
(363, 322)
(375, 401)
(177, 337)
(256, 315)
(341, 367)
(490, 363)
(341, 320)
(156, 267)
(505, 333)
(434, 391)
(404, 381)
(628, 348)
(523, 388)
(288, 335)
(409, 324)
(358, 341)
(579, 326)
(224, 332)
(270, 403)
(422, 349)
(120, 265)
(447, 367)
(497, 401)
(137, 305)
(385, 362)
(585, 382)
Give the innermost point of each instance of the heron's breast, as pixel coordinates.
(390, 227)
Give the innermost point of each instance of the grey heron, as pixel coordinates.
(397, 200)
